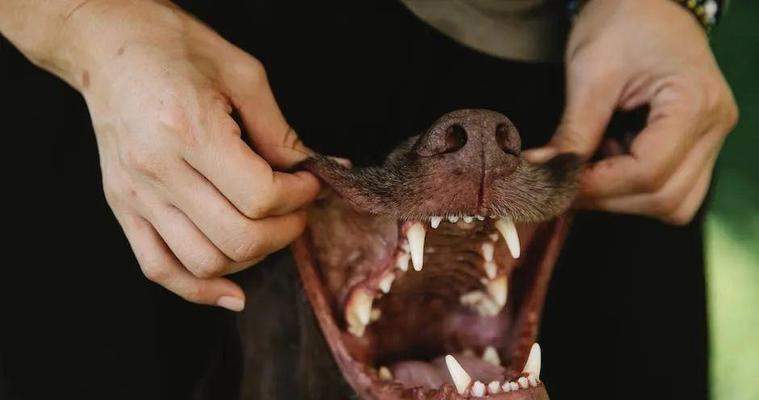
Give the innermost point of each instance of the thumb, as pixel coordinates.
(266, 129)
(589, 106)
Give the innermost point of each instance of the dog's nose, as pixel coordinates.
(480, 138)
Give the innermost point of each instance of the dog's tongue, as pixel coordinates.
(433, 374)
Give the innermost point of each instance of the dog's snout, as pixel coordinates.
(471, 134)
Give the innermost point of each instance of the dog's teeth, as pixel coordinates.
(358, 314)
(402, 261)
(435, 222)
(479, 217)
(385, 374)
(499, 290)
(387, 281)
(514, 386)
(460, 378)
(375, 315)
(506, 387)
(523, 383)
(494, 387)
(509, 231)
(533, 380)
(415, 235)
(490, 269)
(487, 251)
(478, 389)
(468, 219)
(453, 219)
(490, 355)
(480, 302)
(532, 366)
(494, 236)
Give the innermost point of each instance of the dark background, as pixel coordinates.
(79, 319)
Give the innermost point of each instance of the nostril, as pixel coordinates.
(455, 138)
(508, 138)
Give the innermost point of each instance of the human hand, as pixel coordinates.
(194, 200)
(623, 54)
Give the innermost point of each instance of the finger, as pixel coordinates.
(247, 180)
(684, 214)
(238, 237)
(159, 265)
(193, 249)
(591, 99)
(654, 156)
(267, 130)
(669, 199)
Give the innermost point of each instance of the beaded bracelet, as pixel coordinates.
(706, 11)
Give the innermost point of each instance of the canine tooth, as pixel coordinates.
(468, 219)
(375, 315)
(494, 387)
(490, 355)
(499, 290)
(514, 386)
(533, 380)
(523, 383)
(479, 217)
(490, 269)
(385, 374)
(494, 236)
(415, 235)
(387, 281)
(478, 389)
(532, 366)
(359, 312)
(487, 251)
(402, 261)
(453, 219)
(509, 231)
(435, 222)
(506, 387)
(460, 378)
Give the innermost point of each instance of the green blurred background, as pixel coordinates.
(732, 228)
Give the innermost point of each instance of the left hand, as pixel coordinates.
(623, 54)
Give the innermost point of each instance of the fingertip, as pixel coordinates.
(231, 303)
(540, 155)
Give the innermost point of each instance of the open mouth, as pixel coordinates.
(428, 275)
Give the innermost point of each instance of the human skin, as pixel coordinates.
(623, 54)
(196, 197)
(199, 199)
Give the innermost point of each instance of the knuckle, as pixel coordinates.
(664, 205)
(652, 180)
(245, 247)
(145, 162)
(732, 114)
(210, 266)
(193, 293)
(155, 272)
(678, 218)
(252, 71)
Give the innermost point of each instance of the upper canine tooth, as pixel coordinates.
(509, 232)
(460, 378)
(499, 290)
(453, 219)
(387, 281)
(435, 222)
(415, 235)
(487, 251)
(532, 366)
(490, 355)
(468, 218)
(358, 313)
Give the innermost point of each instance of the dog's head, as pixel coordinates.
(427, 274)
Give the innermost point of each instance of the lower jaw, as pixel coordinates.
(371, 382)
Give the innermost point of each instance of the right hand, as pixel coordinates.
(195, 201)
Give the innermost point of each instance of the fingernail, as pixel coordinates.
(540, 155)
(342, 161)
(231, 303)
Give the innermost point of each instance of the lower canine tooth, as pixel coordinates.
(435, 222)
(385, 374)
(532, 366)
(478, 389)
(499, 290)
(415, 235)
(509, 232)
(460, 378)
(358, 313)
(490, 355)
